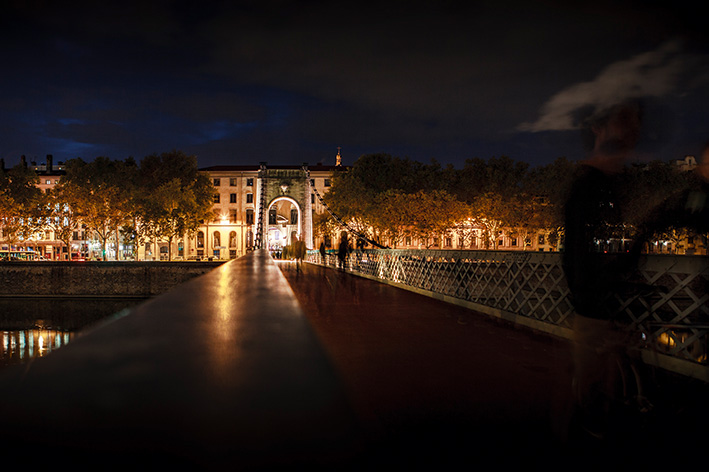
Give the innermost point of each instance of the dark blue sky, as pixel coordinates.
(288, 82)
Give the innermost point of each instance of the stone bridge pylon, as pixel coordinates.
(284, 205)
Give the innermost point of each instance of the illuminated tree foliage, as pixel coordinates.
(20, 203)
(163, 198)
(174, 198)
(99, 193)
(393, 198)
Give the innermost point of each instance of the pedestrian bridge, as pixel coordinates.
(259, 365)
(529, 288)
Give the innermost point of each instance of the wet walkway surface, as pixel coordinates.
(431, 378)
(437, 383)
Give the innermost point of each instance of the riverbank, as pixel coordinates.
(95, 279)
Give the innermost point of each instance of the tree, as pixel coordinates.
(100, 196)
(21, 203)
(59, 214)
(389, 215)
(176, 197)
(492, 212)
(432, 214)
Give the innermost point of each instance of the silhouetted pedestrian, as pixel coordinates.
(323, 254)
(343, 250)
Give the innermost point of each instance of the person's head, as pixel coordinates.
(614, 131)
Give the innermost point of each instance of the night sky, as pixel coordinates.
(289, 82)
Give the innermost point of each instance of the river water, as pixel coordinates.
(35, 327)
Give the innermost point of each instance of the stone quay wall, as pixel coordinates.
(96, 279)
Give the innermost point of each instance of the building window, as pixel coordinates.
(250, 182)
(541, 239)
(200, 239)
(217, 240)
(232, 182)
(327, 182)
(272, 216)
(232, 216)
(232, 198)
(293, 216)
(312, 198)
(232, 239)
(216, 198)
(249, 198)
(249, 217)
(217, 182)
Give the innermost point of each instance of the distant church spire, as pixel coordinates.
(339, 158)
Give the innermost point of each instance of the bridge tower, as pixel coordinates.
(282, 184)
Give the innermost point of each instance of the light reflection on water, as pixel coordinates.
(21, 345)
(33, 328)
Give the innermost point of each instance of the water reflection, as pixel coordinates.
(21, 345)
(32, 328)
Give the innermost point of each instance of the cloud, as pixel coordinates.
(654, 74)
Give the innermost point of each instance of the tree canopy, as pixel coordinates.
(161, 198)
(393, 198)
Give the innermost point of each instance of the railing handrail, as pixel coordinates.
(223, 369)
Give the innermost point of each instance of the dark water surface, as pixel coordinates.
(34, 327)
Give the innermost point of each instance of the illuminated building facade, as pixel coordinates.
(288, 207)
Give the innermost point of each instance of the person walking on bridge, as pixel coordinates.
(300, 250)
(323, 253)
(343, 250)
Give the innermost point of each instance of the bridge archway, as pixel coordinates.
(284, 222)
(285, 189)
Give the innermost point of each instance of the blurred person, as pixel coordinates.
(593, 210)
(300, 251)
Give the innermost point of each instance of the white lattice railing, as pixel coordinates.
(673, 319)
